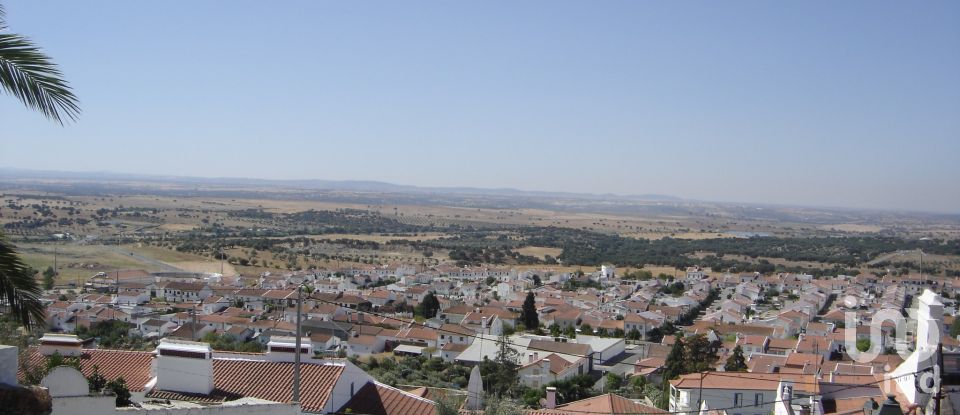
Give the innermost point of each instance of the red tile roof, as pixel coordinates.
(603, 404)
(379, 399)
(273, 381)
(134, 367)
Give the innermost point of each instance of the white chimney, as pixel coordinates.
(184, 366)
(551, 398)
(784, 405)
(65, 344)
(283, 348)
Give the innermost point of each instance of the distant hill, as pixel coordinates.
(312, 184)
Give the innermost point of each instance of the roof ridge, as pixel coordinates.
(404, 392)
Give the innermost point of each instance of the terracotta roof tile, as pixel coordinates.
(272, 381)
(603, 404)
(134, 367)
(379, 399)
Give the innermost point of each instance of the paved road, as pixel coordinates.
(155, 263)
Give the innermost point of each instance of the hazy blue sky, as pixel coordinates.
(816, 103)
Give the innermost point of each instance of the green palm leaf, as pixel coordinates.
(30, 75)
(19, 290)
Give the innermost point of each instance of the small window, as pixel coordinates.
(738, 399)
(758, 399)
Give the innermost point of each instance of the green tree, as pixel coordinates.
(32, 77)
(736, 362)
(501, 405)
(48, 278)
(96, 381)
(634, 334)
(674, 364)
(528, 314)
(500, 374)
(574, 389)
(700, 355)
(586, 329)
(614, 382)
(555, 330)
(430, 306)
(119, 388)
(18, 284)
(536, 281)
(863, 345)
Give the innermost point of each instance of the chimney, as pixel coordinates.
(784, 405)
(65, 344)
(184, 366)
(529, 357)
(284, 348)
(551, 398)
(546, 368)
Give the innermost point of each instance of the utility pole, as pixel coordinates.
(700, 392)
(296, 355)
(195, 333)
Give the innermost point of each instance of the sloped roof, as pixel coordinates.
(375, 398)
(272, 381)
(603, 404)
(134, 367)
(559, 347)
(246, 378)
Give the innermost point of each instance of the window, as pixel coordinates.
(738, 399)
(758, 399)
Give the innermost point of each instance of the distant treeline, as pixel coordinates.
(470, 245)
(591, 248)
(347, 221)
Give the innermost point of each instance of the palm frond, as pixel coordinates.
(30, 75)
(19, 291)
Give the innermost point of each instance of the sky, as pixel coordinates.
(844, 104)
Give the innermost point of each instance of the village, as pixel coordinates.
(213, 341)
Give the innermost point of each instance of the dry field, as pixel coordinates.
(75, 261)
(539, 251)
(427, 236)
